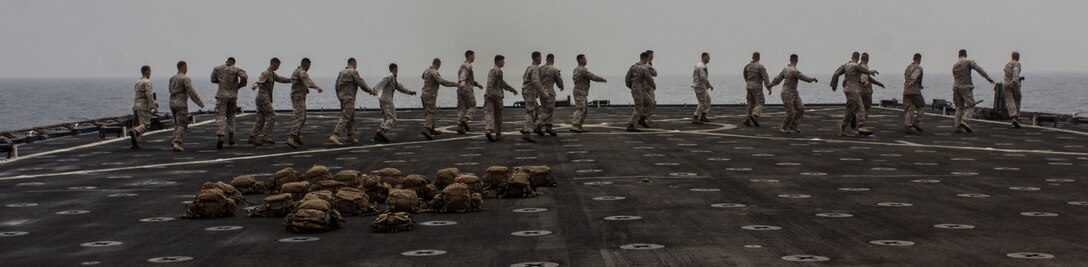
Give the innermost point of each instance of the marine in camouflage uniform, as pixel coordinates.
(582, 78)
(387, 86)
(466, 99)
(550, 78)
(851, 73)
(755, 78)
(266, 115)
(963, 95)
(348, 82)
(791, 100)
(638, 75)
(300, 87)
(650, 90)
(493, 98)
(530, 91)
(181, 90)
(143, 107)
(229, 78)
(1011, 88)
(700, 82)
(431, 82)
(913, 103)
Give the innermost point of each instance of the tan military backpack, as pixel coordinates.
(390, 176)
(317, 173)
(423, 187)
(296, 189)
(247, 185)
(313, 215)
(445, 177)
(330, 185)
(495, 177)
(474, 183)
(404, 200)
(351, 201)
(518, 186)
(375, 188)
(278, 205)
(349, 178)
(283, 176)
(391, 222)
(210, 203)
(228, 190)
(457, 197)
(542, 176)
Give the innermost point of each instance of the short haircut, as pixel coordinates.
(145, 69)
(535, 54)
(436, 61)
(793, 57)
(469, 53)
(644, 55)
(392, 66)
(755, 54)
(864, 56)
(351, 60)
(499, 57)
(705, 54)
(917, 56)
(855, 55)
(550, 57)
(305, 60)
(230, 59)
(580, 57)
(963, 52)
(274, 60)
(649, 52)
(181, 64)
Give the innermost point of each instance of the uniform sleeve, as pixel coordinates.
(243, 78)
(805, 78)
(188, 84)
(915, 75)
(280, 79)
(462, 74)
(559, 79)
(149, 94)
(442, 81)
(361, 83)
(980, 71)
(262, 78)
(778, 79)
(766, 78)
(874, 81)
(400, 87)
(593, 77)
(628, 78)
(703, 79)
(492, 79)
(305, 78)
(215, 75)
(1016, 73)
(650, 72)
(534, 78)
(835, 77)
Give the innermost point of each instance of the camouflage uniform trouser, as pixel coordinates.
(638, 100)
(704, 101)
(298, 112)
(867, 100)
(141, 121)
(181, 123)
(1012, 99)
(755, 102)
(430, 108)
(795, 110)
(547, 107)
(266, 119)
(964, 99)
(579, 108)
(346, 125)
(649, 102)
(914, 105)
(225, 111)
(853, 110)
(493, 114)
(466, 104)
(532, 110)
(389, 116)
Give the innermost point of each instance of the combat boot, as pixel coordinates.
(703, 118)
(489, 136)
(177, 147)
(642, 121)
(551, 132)
(631, 128)
(380, 136)
(695, 120)
(527, 136)
(335, 140)
(231, 138)
(219, 144)
(864, 131)
(427, 134)
(290, 142)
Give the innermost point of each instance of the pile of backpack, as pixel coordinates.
(317, 200)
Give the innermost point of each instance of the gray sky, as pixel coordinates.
(108, 38)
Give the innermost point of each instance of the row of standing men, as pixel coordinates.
(538, 91)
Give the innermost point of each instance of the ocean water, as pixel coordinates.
(26, 103)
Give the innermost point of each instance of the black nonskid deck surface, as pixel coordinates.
(678, 194)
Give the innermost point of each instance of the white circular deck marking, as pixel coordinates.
(589, 171)
(894, 243)
(400, 161)
(405, 153)
(21, 205)
(438, 223)
(101, 244)
(1006, 169)
(642, 147)
(530, 210)
(834, 215)
(1030, 255)
(471, 155)
(763, 155)
(1060, 163)
(883, 169)
(788, 164)
(743, 147)
(641, 246)
(700, 151)
(282, 164)
(188, 171)
(926, 181)
(717, 159)
(170, 259)
(823, 151)
(30, 184)
(524, 158)
(738, 169)
(794, 196)
(1060, 180)
(1024, 188)
(466, 163)
(423, 252)
(753, 246)
(583, 160)
(531, 233)
(728, 205)
(157, 219)
(90, 263)
(925, 164)
(850, 159)
(123, 195)
(1039, 214)
(954, 226)
(761, 227)
(653, 155)
(891, 155)
(73, 212)
(623, 218)
(597, 183)
(853, 189)
(577, 152)
(705, 190)
(805, 258)
(15, 233)
(667, 164)
(223, 228)
(965, 173)
(973, 195)
(683, 174)
(1078, 203)
(299, 239)
(894, 204)
(609, 198)
(764, 180)
(83, 188)
(535, 264)
(813, 173)
(963, 159)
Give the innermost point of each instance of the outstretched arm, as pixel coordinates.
(978, 68)
(778, 79)
(593, 77)
(805, 78)
(877, 83)
(362, 84)
(835, 77)
(188, 84)
(400, 88)
(305, 78)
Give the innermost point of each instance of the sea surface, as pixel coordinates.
(26, 103)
